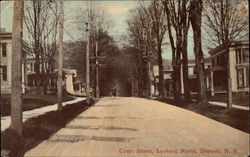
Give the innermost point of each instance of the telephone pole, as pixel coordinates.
(16, 83)
(60, 64)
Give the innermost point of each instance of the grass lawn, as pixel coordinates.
(238, 99)
(235, 118)
(38, 129)
(30, 102)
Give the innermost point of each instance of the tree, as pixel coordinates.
(196, 21)
(99, 24)
(136, 66)
(177, 19)
(225, 23)
(156, 20)
(147, 28)
(140, 45)
(41, 20)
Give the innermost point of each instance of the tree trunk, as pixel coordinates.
(195, 18)
(176, 81)
(37, 73)
(185, 66)
(45, 84)
(229, 79)
(161, 79)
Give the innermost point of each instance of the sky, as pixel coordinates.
(118, 11)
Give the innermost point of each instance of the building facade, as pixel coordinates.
(43, 83)
(192, 73)
(47, 76)
(6, 62)
(6, 56)
(71, 84)
(238, 64)
(167, 76)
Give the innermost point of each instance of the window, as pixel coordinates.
(245, 55)
(238, 56)
(32, 67)
(240, 77)
(190, 70)
(242, 55)
(4, 50)
(28, 68)
(4, 73)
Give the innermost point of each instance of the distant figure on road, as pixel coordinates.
(114, 92)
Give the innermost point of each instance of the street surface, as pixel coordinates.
(5, 121)
(121, 127)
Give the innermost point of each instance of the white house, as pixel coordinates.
(6, 61)
(192, 73)
(71, 84)
(29, 83)
(239, 67)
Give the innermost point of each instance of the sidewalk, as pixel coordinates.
(225, 105)
(5, 121)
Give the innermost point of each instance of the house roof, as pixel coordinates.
(235, 43)
(191, 59)
(4, 34)
(167, 66)
(68, 71)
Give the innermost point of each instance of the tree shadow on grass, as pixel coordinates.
(38, 129)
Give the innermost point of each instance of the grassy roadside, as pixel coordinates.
(38, 129)
(238, 99)
(235, 118)
(241, 99)
(30, 102)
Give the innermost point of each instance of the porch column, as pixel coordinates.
(23, 77)
(80, 89)
(182, 81)
(212, 83)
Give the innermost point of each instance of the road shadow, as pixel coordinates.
(99, 127)
(78, 138)
(38, 129)
(94, 117)
(106, 105)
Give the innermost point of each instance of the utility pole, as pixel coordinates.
(87, 65)
(16, 82)
(60, 64)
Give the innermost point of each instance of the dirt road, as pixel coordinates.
(121, 127)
